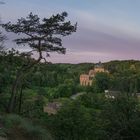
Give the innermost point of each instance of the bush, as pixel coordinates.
(17, 126)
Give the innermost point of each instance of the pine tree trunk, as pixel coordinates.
(13, 92)
(20, 100)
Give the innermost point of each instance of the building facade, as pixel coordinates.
(87, 79)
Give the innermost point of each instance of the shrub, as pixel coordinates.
(17, 126)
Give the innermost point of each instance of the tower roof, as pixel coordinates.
(99, 65)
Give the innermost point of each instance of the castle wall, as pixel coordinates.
(86, 79)
(99, 70)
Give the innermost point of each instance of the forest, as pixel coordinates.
(89, 116)
(28, 84)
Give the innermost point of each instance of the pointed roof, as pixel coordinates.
(99, 65)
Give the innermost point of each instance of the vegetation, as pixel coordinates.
(27, 85)
(90, 116)
(42, 37)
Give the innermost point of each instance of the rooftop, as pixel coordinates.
(99, 65)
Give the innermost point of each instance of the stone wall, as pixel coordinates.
(87, 79)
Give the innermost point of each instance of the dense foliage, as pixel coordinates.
(41, 36)
(89, 116)
(30, 84)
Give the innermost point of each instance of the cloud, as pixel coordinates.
(82, 57)
(100, 37)
(115, 26)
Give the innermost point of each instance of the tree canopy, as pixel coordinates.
(42, 35)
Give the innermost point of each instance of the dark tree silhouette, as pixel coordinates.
(42, 36)
(1, 41)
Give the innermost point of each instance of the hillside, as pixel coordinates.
(48, 83)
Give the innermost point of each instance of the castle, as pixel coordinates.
(87, 79)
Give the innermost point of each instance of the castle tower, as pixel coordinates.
(87, 79)
(91, 73)
(84, 79)
(99, 67)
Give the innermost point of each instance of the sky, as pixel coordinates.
(107, 29)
